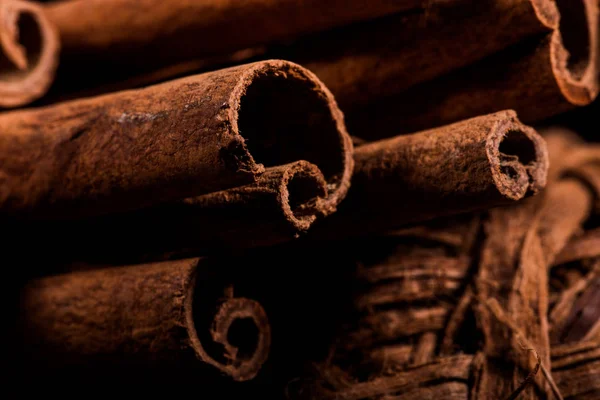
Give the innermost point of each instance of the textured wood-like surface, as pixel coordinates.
(186, 137)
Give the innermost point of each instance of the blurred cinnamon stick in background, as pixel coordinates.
(538, 78)
(29, 52)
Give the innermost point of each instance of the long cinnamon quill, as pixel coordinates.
(474, 164)
(283, 203)
(121, 37)
(417, 47)
(171, 141)
(151, 315)
(538, 78)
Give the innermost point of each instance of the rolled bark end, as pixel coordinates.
(547, 12)
(302, 191)
(575, 51)
(30, 47)
(285, 113)
(518, 158)
(240, 333)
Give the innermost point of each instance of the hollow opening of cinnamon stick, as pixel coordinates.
(516, 157)
(574, 29)
(25, 53)
(303, 189)
(230, 333)
(516, 144)
(243, 334)
(281, 119)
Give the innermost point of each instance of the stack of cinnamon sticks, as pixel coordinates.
(302, 199)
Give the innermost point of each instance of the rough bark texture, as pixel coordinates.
(282, 204)
(189, 137)
(139, 316)
(474, 164)
(29, 49)
(537, 78)
(118, 37)
(373, 60)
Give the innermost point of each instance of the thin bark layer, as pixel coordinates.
(142, 316)
(537, 78)
(29, 49)
(474, 164)
(187, 137)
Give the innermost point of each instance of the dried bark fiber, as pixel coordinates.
(142, 316)
(443, 378)
(400, 304)
(576, 369)
(537, 78)
(416, 47)
(282, 204)
(474, 164)
(187, 137)
(126, 35)
(29, 49)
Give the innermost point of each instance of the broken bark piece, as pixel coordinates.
(118, 37)
(29, 48)
(474, 164)
(536, 78)
(143, 316)
(283, 203)
(417, 47)
(186, 138)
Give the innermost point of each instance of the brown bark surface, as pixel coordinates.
(281, 205)
(121, 37)
(187, 137)
(29, 50)
(474, 164)
(370, 61)
(141, 316)
(538, 78)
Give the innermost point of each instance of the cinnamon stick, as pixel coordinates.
(118, 37)
(474, 164)
(537, 78)
(283, 203)
(29, 49)
(187, 137)
(417, 47)
(143, 316)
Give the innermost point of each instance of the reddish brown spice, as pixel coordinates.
(141, 315)
(474, 164)
(283, 203)
(537, 78)
(187, 137)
